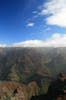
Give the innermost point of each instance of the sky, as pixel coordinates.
(33, 23)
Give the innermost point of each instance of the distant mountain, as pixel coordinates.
(29, 65)
(26, 64)
(29, 70)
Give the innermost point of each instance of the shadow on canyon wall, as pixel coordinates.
(56, 90)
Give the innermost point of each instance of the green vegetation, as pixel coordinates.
(24, 65)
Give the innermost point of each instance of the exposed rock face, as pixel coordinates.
(33, 89)
(17, 91)
(13, 91)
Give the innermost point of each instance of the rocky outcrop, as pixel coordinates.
(13, 91)
(33, 89)
(17, 91)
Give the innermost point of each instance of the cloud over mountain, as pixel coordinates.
(56, 40)
(3, 45)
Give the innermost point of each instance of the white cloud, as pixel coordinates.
(56, 40)
(30, 24)
(34, 12)
(3, 45)
(43, 12)
(48, 29)
(56, 11)
(28, 43)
